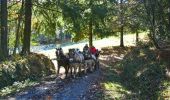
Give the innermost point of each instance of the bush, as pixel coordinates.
(142, 72)
(19, 68)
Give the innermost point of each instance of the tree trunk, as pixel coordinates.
(121, 36)
(18, 29)
(152, 38)
(91, 25)
(122, 24)
(150, 10)
(4, 29)
(153, 30)
(137, 37)
(90, 32)
(169, 15)
(27, 27)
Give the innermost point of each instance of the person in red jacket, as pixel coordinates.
(93, 50)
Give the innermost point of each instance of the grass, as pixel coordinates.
(140, 75)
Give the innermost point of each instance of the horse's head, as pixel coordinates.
(77, 51)
(71, 53)
(59, 52)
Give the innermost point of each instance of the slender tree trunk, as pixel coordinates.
(152, 29)
(27, 27)
(121, 36)
(4, 29)
(169, 14)
(150, 10)
(91, 25)
(0, 27)
(122, 24)
(137, 37)
(18, 28)
(154, 40)
(90, 32)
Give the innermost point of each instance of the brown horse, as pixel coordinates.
(62, 60)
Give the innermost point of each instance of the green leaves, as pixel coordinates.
(158, 18)
(79, 13)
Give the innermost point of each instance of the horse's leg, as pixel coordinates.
(95, 66)
(79, 69)
(71, 69)
(66, 70)
(85, 67)
(91, 64)
(75, 69)
(98, 64)
(58, 70)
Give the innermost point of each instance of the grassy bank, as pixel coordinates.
(139, 75)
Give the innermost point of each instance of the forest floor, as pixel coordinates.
(129, 73)
(86, 87)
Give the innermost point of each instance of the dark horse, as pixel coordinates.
(62, 60)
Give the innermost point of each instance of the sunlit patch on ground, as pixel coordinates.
(115, 90)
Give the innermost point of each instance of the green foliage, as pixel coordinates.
(77, 15)
(140, 75)
(13, 15)
(73, 17)
(158, 21)
(19, 68)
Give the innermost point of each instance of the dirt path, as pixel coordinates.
(60, 89)
(77, 89)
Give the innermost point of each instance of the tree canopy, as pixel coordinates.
(84, 19)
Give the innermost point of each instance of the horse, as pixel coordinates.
(62, 60)
(88, 55)
(77, 59)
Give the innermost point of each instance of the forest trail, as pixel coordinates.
(60, 89)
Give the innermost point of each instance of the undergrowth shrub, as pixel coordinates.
(142, 72)
(19, 68)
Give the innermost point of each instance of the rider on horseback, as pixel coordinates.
(86, 52)
(93, 50)
(95, 55)
(86, 48)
